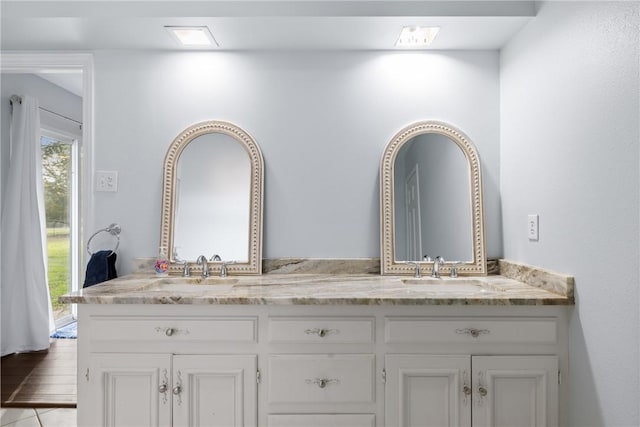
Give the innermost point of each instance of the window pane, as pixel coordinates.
(56, 176)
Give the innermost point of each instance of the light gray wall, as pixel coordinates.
(321, 119)
(570, 153)
(49, 96)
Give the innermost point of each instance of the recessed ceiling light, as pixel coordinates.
(192, 36)
(417, 36)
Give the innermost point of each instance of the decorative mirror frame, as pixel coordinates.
(254, 263)
(388, 263)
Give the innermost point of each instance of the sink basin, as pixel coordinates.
(198, 281)
(174, 287)
(443, 281)
(191, 284)
(448, 285)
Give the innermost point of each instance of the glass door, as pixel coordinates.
(60, 179)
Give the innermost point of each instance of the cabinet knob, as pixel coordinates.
(177, 389)
(466, 390)
(322, 382)
(482, 391)
(163, 388)
(170, 332)
(321, 332)
(475, 333)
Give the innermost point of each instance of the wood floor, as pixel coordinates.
(42, 379)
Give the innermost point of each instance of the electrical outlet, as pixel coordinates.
(532, 227)
(107, 181)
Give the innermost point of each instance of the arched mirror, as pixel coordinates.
(431, 201)
(212, 198)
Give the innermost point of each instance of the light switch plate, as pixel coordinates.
(532, 227)
(107, 181)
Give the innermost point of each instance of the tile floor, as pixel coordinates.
(40, 417)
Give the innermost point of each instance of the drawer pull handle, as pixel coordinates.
(475, 333)
(321, 332)
(171, 331)
(322, 382)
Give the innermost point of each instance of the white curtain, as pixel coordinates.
(26, 308)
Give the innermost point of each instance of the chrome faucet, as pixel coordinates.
(202, 260)
(215, 257)
(435, 272)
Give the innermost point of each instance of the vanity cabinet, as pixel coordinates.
(320, 366)
(472, 371)
(172, 390)
(155, 369)
(454, 390)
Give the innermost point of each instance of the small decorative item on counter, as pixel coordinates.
(162, 262)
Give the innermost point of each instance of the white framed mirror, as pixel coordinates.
(212, 198)
(431, 201)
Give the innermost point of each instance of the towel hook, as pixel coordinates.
(113, 229)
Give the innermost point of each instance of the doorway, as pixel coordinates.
(38, 379)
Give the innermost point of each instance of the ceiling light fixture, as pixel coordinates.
(417, 36)
(192, 36)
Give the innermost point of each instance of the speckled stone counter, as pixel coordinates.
(322, 289)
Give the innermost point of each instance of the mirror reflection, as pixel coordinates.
(213, 188)
(432, 203)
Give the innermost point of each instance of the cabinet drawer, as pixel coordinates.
(174, 329)
(416, 330)
(321, 330)
(322, 420)
(335, 379)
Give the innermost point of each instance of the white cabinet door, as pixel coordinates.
(514, 391)
(126, 390)
(215, 391)
(426, 390)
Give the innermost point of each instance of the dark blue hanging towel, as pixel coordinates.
(101, 267)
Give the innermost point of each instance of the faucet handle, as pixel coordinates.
(427, 258)
(186, 270)
(440, 260)
(215, 257)
(223, 267)
(417, 272)
(454, 269)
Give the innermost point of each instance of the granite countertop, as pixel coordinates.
(325, 289)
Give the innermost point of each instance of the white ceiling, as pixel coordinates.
(258, 25)
(253, 24)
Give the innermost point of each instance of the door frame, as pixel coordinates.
(37, 62)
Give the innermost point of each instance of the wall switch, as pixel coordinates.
(107, 181)
(532, 227)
